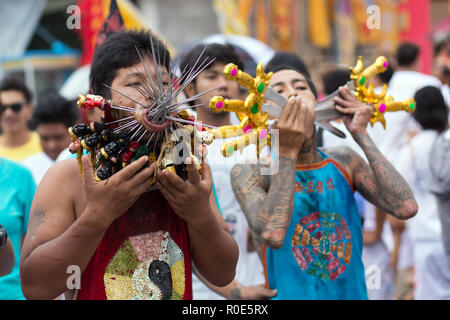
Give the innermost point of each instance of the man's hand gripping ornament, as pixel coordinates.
(359, 78)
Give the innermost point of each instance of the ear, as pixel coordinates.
(190, 90)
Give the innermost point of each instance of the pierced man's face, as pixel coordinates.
(128, 82)
(15, 112)
(291, 83)
(130, 88)
(208, 79)
(54, 138)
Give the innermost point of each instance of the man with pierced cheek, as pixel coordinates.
(124, 241)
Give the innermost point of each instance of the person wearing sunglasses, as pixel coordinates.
(17, 141)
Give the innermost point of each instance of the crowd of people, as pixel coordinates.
(365, 217)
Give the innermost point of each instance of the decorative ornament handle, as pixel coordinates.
(253, 121)
(409, 105)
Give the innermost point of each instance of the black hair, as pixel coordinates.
(14, 83)
(431, 111)
(120, 50)
(224, 53)
(288, 59)
(407, 53)
(442, 45)
(53, 108)
(276, 68)
(332, 80)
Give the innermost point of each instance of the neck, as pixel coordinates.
(14, 139)
(212, 119)
(409, 68)
(308, 153)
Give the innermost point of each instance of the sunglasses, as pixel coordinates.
(16, 107)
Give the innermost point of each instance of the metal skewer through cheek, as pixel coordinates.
(163, 109)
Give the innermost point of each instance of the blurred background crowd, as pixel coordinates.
(46, 47)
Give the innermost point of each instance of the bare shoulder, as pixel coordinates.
(343, 153)
(65, 168)
(60, 186)
(348, 158)
(62, 175)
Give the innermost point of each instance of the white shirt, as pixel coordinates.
(412, 164)
(404, 84)
(376, 257)
(249, 271)
(38, 164)
(64, 155)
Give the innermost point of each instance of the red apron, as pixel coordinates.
(144, 254)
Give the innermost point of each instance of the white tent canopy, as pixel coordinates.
(259, 51)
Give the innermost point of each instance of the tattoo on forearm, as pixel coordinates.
(36, 219)
(268, 208)
(246, 182)
(276, 211)
(384, 186)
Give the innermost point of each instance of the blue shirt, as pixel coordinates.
(17, 189)
(320, 258)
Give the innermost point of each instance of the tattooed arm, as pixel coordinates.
(381, 184)
(378, 182)
(268, 208)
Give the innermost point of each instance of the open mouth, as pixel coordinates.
(155, 125)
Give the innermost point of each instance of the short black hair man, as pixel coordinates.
(407, 54)
(52, 116)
